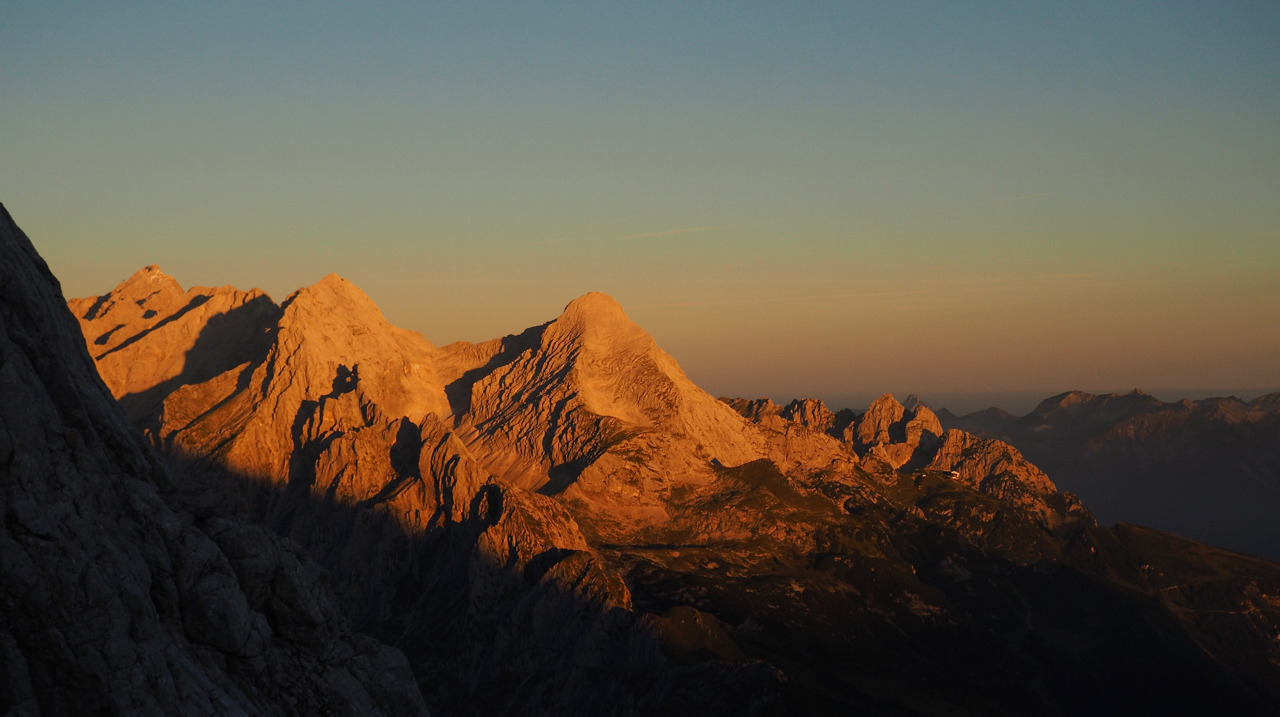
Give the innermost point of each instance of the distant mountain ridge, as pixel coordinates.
(1207, 469)
(559, 521)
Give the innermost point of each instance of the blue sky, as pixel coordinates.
(829, 199)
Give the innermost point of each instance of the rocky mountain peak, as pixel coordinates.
(148, 275)
(811, 413)
(332, 328)
(1269, 403)
(596, 324)
(923, 426)
(754, 410)
(582, 385)
(149, 336)
(584, 496)
(138, 300)
(913, 402)
(1062, 401)
(595, 305)
(1077, 410)
(334, 294)
(873, 427)
(146, 284)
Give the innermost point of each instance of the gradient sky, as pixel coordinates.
(825, 199)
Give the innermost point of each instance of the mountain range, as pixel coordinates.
(559, 521)
(1207, 469)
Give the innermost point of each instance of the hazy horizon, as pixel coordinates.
(826, 200)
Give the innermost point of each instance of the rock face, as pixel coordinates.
(559, 521)
(1206, 469)
(888, 432)
(592, 408)
(113, 597)
(148, 336)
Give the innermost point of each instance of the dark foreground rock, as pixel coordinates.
(116, 600)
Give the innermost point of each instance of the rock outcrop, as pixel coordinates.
(890, 438)
(810, 413)
(148, 337)
(888, 433)
(114, 599)
(592, 409)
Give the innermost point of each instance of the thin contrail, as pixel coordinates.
(775, 300)
(669, 233)
(987, 281)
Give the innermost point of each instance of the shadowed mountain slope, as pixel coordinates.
(559, 521)
(1207, 469)
(114, 599)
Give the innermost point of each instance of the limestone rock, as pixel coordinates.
(892, 434)
(874, 426)
(923, 429)
(797, 438)
(591, 407)
(756, 411)
(913, 402)
(406, 471)
(148, 337)
(998, 469)
(333, 364)
(810, 413)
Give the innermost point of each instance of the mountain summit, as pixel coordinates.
(592, 405)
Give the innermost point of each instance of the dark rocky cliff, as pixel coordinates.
(114, 599)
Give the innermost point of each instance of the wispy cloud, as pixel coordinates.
(1024, 196)
(936, 287)
(776, 299)
(647, 235)
(651, 235)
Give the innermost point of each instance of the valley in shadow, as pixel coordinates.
(745, 628)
